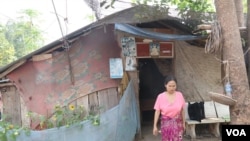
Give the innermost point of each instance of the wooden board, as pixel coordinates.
(112, 97)
(103, 100)
(84, 101)
(41, 57)
(142, 50)
(107, 98)
(213, 111)
(166, 49)
(12, 105)
(209, 109)
(93, 102)
(223, 111)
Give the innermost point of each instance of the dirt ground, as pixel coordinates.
(146, 135)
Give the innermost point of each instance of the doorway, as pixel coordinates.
(152, 72)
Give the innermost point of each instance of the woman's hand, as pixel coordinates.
(184, 126)
(155, 131)
(156, 117)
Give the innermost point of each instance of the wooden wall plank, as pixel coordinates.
(26, 121)
(112, 97)
(103, 100)
(41, 57)
(93, 102)
(6, 84)
(11, 105)
(84, 101)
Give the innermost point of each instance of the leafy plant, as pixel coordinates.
(9, 132)
(7, 50)
(20, 36)
(67, 116)
(62, 116)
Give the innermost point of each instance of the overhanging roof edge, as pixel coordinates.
(153, 35)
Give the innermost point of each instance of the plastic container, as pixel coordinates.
(228, 89)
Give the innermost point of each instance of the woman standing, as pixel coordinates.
(170, 106)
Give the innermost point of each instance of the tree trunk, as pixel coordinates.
(248, 39)
(95, 6)
(233, 52)
(239, 12)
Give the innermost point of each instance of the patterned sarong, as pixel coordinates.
(172, 128)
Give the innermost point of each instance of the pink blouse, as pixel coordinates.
(169, 109)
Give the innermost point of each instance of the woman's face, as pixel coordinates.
(171, 86)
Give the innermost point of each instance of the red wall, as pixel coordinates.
(43, 84)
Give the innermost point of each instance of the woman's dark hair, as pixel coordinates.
(170, 78)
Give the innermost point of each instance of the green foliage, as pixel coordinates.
(7, 50)
(65, 116)
(190, 12)
(90, 17)
(9, 132)
(186, 5)
(62, 116)
(155, 12)
(244, 6)
(194, 5)
(19, 37)
(23, 34)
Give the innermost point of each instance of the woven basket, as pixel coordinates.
(223, 99)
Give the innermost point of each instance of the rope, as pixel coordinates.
(214, 41)
(58, 19)
(65, 44)
(226, 70)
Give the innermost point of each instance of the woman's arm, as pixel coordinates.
(156, 118)
(183, 118)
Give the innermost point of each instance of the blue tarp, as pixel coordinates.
(120, 123)
(136, 31)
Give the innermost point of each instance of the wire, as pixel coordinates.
(58, 19)
(66, 18)
(232, 60)
(66, 46)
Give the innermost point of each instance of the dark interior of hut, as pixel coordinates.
(151, 83)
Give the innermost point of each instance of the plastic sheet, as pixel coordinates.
(120, 123)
